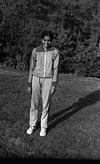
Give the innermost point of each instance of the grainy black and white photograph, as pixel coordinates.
(50, 79)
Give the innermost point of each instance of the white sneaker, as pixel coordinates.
(43, 132)
(30, 130)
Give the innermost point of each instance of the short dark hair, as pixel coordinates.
(47, 33)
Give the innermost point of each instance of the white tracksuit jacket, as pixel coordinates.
(45, 63)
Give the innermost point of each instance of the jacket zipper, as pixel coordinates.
(44, 63)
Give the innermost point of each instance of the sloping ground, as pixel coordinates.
(74, 122)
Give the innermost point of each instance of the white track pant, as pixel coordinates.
(40, 87)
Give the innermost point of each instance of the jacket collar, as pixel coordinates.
(40, 48)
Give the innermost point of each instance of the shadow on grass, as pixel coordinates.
(64, 114)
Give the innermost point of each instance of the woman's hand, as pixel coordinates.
(52, 90)
(29, 88)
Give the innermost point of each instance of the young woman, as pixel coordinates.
(43, 77)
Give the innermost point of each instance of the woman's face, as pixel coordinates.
(46, 42)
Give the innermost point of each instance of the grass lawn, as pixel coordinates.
(74, 120)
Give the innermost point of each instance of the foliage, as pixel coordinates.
(76, 25)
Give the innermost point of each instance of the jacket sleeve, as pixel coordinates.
(32, 64)
(55, 66)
